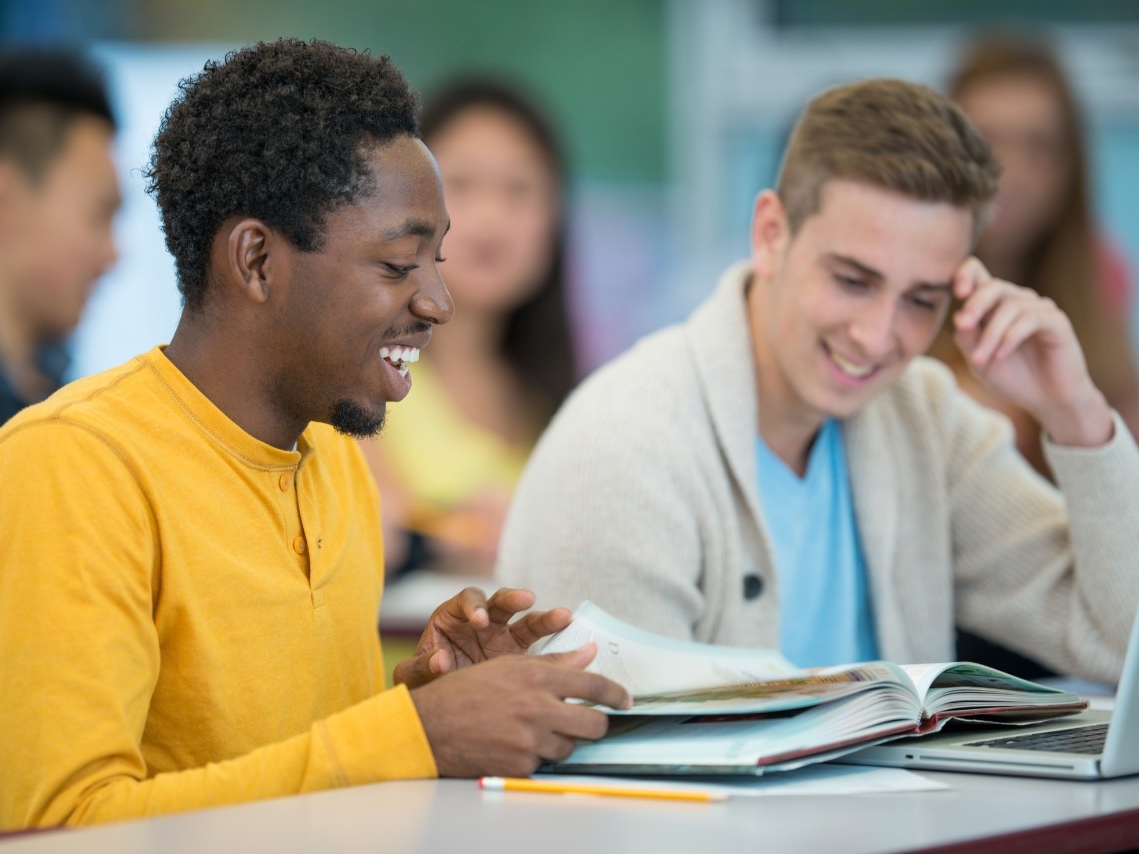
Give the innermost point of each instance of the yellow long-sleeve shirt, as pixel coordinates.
(187, 615)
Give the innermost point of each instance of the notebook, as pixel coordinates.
(1093, 745)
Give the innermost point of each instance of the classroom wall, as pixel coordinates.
(600, 68)
(673, 113)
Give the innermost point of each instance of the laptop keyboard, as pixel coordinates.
(1085, 739)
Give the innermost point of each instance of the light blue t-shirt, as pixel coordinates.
(825, 612)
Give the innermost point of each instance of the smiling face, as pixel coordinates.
(355, 313)
(840, 308)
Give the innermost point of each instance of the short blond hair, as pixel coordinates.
(892, 134)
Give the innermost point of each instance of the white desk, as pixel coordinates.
(453, 816)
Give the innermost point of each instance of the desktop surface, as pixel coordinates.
(454, 815)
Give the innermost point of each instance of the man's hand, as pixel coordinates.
(1024, 348)
(469, 628)
(505, 716)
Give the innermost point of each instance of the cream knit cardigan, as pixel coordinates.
(643, 496)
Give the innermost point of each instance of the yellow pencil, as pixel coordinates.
(524, 784)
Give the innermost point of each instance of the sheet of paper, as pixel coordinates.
(646, 663)
(822, 779)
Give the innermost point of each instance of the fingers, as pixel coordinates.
(555, 746)
(576, 658)
(472, 605)
(573, 722)
(595, 688)
(1012, 327)
(537, 625)
(983, 296)
(508, 601)
(468, 605)
(998, 317)
(508, 714)
(572, 682)
(1002, 311)
(421, 669)
(968, 277)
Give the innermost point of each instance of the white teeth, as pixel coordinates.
(400, 357)
(850, 368)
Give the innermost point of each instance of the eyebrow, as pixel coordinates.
(871, 273)
(412, 228)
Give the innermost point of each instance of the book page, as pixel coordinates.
(647, 663)
(964, 687)
(924, 675)
(799, 690)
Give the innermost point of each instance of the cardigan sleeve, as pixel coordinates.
(81, 656)
(1049, 573)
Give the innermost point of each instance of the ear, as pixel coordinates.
(770, 233)
(251, 258)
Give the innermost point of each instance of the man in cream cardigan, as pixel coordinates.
(786, 469)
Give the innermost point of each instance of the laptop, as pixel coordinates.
(1093, 745)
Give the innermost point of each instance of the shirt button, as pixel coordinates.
(284, 482)
(299, 545)
(753, 586)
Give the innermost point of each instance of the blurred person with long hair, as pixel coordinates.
(451, 454)
(1042, 232)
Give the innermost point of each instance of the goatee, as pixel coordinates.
(351, 420)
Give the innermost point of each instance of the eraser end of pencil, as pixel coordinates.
(492, 784)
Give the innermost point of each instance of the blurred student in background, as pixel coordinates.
(451, 454)
(58, 196)
(1042, 232)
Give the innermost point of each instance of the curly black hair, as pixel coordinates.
(276, 131)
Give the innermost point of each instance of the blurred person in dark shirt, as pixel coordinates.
(58, 196)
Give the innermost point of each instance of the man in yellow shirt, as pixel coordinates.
(193, 564)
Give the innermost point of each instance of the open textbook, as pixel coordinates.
(703, 709)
